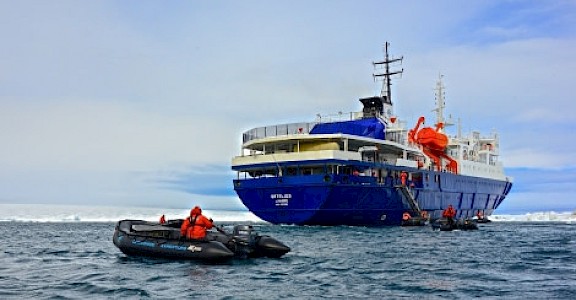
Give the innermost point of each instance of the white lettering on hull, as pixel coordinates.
(281, 199)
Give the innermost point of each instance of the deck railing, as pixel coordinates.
(277, 130)
(296, 128)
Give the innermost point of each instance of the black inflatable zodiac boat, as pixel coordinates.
(443, 224)
(143, 238)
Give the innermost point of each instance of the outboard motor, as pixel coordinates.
(243, 229)
(245, 237)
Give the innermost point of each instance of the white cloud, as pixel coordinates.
(499, 78)
(537, 158)
(523, 202)
(101, 135)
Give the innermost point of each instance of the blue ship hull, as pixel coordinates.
(346, 172)
(362, 201)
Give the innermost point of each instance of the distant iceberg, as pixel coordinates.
(79, 213)
(550, 216)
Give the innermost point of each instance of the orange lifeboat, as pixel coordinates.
(433, 143)
(430, 138)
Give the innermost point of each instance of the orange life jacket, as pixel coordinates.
(449, 212)
(406, 216)
(194, 227)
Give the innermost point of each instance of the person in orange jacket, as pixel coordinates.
(195, 226)
(403, 177)
(449, 213)
(406, 216)
(480, 215)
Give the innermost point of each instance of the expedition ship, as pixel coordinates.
(368, 168)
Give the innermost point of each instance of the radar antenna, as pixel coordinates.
(385, 64)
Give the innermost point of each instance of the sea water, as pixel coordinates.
(69, 255)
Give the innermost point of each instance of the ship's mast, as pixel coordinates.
(441, 103)
(386, 83)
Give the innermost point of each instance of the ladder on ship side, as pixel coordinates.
(409, 198)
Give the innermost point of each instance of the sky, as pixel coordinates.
(143, 103)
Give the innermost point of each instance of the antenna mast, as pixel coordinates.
(441, 103)
(386, 84)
